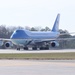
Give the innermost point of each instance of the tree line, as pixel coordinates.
(5, 32)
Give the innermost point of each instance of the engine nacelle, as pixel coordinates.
(8, 44)
(54, 44)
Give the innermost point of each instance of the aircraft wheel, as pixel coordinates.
(25, 48)
(18, 48)
(46, 48)
(34, 48)
(41, 48)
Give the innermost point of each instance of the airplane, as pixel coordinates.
(35, 39)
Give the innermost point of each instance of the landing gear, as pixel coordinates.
(18, 48)
(44, 48)
(34, 48)
(41, 48)
(25, 48)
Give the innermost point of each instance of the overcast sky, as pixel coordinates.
(38, 13)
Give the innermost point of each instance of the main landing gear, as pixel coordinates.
(18, 48)
(35, 48)
(25, 48)
(44, 48)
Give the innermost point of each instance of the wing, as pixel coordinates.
(10, 42)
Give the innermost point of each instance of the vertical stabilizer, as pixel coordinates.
(56, 24)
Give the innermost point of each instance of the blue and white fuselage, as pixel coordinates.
(23, 36)
(37, 39)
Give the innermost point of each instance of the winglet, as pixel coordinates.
(56, 24)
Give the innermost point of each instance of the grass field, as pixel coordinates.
(39, 56)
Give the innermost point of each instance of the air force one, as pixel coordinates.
(35, 39)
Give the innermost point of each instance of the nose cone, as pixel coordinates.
(19, 34)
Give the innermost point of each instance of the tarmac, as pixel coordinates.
(37, 67)
(36, 51)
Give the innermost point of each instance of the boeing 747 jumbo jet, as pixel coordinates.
(35, 39)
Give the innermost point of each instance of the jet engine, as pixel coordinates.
(8, 44)
(54, 44)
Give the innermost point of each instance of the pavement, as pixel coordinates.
(36, 51)
(37, 67)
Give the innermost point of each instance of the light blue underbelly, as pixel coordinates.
(20, 41)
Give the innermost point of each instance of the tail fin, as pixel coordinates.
(56, 24)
